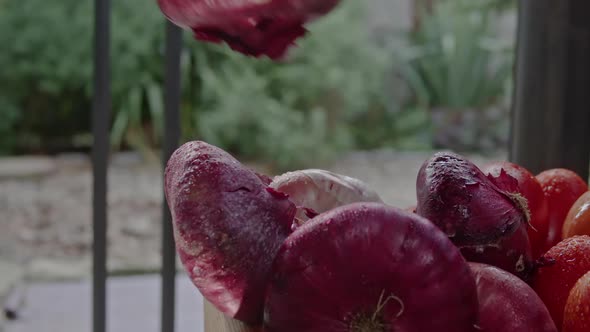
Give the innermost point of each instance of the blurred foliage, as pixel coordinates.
(455, 58)
(37, 85)
(328, 96)
(334, 92)
(8, 119)
(455, 62)
(494, 5)
(47, 61)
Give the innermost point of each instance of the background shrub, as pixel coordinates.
(339, 90)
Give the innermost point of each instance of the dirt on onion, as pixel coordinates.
(512, 254)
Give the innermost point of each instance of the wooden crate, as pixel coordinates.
(217, 322)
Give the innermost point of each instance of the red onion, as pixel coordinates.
(471, 209)
(227, 225)
(316, 191)
(370, 267)
(506, 303)
(252, 27)
(512, 253)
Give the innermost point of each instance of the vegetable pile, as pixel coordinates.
(312, 250)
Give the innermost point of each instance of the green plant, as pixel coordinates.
(47, 56)
(37, 82)
(328, 96)
(138, 41)
(455, 60)
(495, 6)
(8, 119)
(456, 64)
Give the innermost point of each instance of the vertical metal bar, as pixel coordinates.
(172, 94)
(100, 152)
(551, 117)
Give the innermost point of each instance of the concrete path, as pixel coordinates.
(133, 305)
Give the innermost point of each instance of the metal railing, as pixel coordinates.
(171, 140)
(566, 104)
(100, 157)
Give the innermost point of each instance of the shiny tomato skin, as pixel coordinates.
(577, 221)
(559, 271)
(562, 188)
(575, 316)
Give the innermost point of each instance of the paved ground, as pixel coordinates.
(133, 305)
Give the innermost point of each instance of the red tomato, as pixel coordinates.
(577, 221)
(530, 188)
(575, 316)
(562, 188)
(566, 263)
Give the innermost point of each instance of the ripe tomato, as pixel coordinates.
(566, 263)
(577, 221)
(575, 316)
(562, 188)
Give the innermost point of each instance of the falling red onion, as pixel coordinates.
(252, 27)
